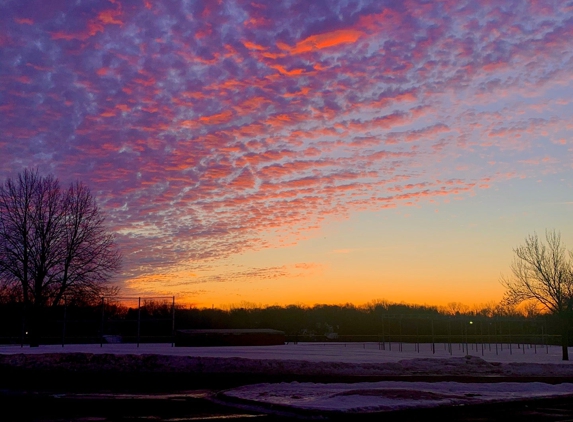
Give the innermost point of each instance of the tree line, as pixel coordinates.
(89, 322)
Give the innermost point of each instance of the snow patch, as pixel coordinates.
(389, 395)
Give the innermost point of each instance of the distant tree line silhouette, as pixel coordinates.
(87, 322)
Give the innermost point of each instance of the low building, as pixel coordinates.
(229, 337)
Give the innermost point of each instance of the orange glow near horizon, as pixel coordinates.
(299, 293)
(419, 270)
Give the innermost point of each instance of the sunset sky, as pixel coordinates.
(278, 152)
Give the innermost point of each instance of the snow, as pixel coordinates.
(316, 352)
(390, 395)
(331, 359)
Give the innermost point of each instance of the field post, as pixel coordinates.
(400, 332)
(383, 339)
(481, 335)
(389, 337)
(450, 335)
(463, 338)
(501, 336)
(522, 338)
(23, 328)
(173, 323)
(433, 339)
(138, 319)
(417, 337)
(543, 338)
(495, 334)
(467, 333)
(64, 322)
(488, 336)
(102, 317)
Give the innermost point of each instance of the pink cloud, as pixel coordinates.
(322, 41)
(24, 21)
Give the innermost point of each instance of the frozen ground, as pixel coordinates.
(332, 359)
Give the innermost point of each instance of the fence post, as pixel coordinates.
(23, 332)
(481, 335)
(467, 348)
(64, 322)
(450, 335)
(102, 316)
(389, 337)
(383, 338)
(495, 334)
(543, 338)
(400, 344)
(138, 319)
(462, 336)
(173, 323)
(433, 340)
(417, 337)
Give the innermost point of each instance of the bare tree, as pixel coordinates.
(543, 273)
(89, 254)
(457, 308)
(53, 243)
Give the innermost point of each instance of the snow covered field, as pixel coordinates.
(334, 359)
(319, 352)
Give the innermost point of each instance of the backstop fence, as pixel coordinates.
(154, 319)
(117, 319)
(465, 333)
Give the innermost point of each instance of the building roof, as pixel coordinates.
(236, 331)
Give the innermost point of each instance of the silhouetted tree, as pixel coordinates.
(53, 242)
(544, 274)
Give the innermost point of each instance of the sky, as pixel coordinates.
(300, 152)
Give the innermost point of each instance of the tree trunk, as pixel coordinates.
(35, 325)
(565, 336)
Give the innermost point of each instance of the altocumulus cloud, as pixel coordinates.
(211, 128)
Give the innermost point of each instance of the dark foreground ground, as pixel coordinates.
(117, 384)
(42, 396)
(197, 406)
